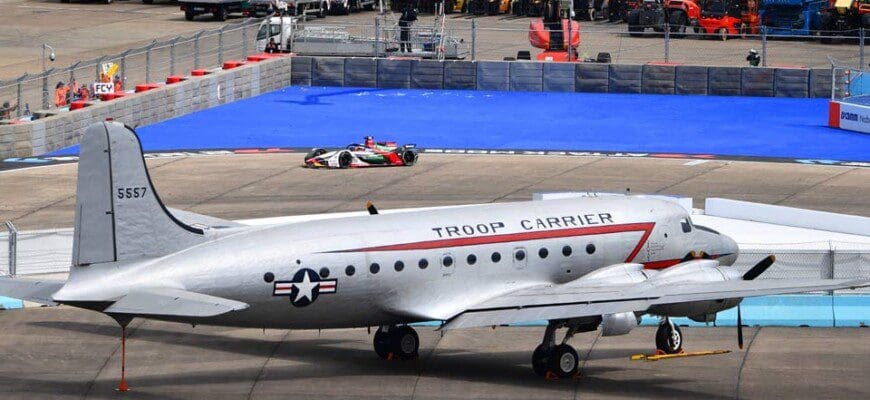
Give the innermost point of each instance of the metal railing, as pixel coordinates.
(777, 47)
(152, 62)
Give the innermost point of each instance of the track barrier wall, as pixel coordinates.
(222, 86)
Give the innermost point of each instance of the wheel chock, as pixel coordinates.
(661, 356)
(551, 376)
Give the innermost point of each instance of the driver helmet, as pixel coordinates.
(753, 51)
(370, 141)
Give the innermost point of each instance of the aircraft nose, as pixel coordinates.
(730, 250)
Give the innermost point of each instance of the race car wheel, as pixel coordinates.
(314, 153)
(345, 159)
(409, 157)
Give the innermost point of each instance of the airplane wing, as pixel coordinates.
(37, 291)
(547, 302)
(173, 302)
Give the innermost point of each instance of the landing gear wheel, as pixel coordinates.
(406, 343)
(382, 343)
(668, 340)
(563, 361)
(539, 360)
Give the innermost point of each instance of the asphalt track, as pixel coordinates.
(334, 117)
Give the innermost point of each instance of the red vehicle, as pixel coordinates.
(550, 33)
(728, 18)
(682, 14)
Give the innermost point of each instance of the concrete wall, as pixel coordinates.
(56, 132)
(195, 93)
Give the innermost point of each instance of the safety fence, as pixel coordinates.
(150, 63)
(49, 251)
(488, 41)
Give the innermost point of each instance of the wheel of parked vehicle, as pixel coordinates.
(220, 14)
(148, 1)
(322, 12)
(107, 1)
(64, 1)
(677, 22)
(723, 33)
(188, 15)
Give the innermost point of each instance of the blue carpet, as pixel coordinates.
(330, 117)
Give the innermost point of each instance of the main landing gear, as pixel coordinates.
(551, 360)
(669, 337)
(397, 343)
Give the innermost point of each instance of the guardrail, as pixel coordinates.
(29, 93)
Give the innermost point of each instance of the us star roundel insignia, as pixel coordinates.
(305, 287)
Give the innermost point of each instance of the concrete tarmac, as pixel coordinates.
(66, 353)
(270, 185)
(70, 353)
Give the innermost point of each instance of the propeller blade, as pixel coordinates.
(372, 209)
(759, 268)
(739, 328)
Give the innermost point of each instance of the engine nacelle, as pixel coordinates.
(618, 324)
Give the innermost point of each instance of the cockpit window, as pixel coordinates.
(686, 224)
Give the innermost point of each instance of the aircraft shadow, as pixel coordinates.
(347, 358)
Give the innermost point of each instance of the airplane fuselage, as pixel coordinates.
(417, 265)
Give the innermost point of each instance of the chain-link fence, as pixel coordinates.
(149, 63)
(785, 48)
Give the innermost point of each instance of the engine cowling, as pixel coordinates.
(695, 271)
(618, 324)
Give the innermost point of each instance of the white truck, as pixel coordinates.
(291, 35)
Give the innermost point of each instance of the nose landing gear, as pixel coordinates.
(669, 337)
(397, 343)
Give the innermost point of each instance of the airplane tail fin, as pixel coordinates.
(119, 216)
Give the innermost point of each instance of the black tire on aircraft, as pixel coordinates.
(539, 360)
(564, 361)
(668, 340)
(382, 343)
(406, 343)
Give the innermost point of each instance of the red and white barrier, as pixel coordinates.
(849, 116)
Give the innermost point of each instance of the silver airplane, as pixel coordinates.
(582, 264)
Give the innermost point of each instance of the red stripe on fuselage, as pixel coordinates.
(645, 227)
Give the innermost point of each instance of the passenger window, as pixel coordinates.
(324, 272)
(686, 224)
(471, 259)
(263, 33)
(349, 270)
(590, 248)
(566, 251)
(275, 30)
(496, 257)
(447, 261)
(519, 255)
(423, 263)
(374, 268)
(543, 252)
(399, 266)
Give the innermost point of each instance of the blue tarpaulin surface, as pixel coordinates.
(335, 117)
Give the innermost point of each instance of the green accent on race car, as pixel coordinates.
(373, 158)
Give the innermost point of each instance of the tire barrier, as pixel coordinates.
(394, 74)
(361, 72)
(427, 74)
(791, 82)
(493, 75)
(625, 79)
(690, 79)
(724, 81)
(757, 82)
(658, 79)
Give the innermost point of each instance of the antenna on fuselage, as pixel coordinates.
(371, 207)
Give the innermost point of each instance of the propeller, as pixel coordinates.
(371, 207)
(753, 273)
(759, 268)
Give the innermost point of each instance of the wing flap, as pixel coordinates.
(173, 302)
(37, 291)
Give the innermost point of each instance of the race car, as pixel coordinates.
(368, 154)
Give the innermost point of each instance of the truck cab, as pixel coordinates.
(279, 28)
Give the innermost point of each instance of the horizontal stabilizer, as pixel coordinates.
(30, 290)
(173, 302)
(203, 221)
